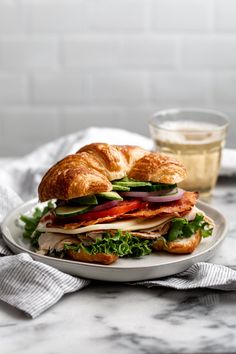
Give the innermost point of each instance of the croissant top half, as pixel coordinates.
(91, 169)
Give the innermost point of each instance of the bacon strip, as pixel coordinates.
(183, 205)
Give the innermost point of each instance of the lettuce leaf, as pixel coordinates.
(31, 223)
(119, 244)
(182, 228)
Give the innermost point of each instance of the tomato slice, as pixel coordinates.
(120, 209)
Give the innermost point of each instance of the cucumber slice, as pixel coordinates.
(158, 187)
(110, 195)
(67, 211)
(87, 200)
(125, 179)
(131, 184)
(120, 188)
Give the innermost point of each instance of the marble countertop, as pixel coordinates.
(115, 318)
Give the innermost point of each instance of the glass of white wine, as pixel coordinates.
(196, 138)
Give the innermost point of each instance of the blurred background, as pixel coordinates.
(66, 65)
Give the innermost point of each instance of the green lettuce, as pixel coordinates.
(31, 223)
(182, 228)
(119, 244)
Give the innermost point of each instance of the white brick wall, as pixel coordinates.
(116, 15)
(28, 53)
(119, 88)
(212, 52)
(19, 124)
(59, 89)
(12, 19)
(148, 52)
(74, 118)
(92, 52)
(225, 15)
(181, 15)
(13, 89)
(225, 88)
(180, 88)
(69, 64)
(56, 16)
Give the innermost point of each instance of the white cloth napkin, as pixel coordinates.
(33, 286)
(228, 164)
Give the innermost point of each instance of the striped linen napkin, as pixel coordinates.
(26, 284)
(33, 287)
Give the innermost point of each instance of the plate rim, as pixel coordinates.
(33, 203)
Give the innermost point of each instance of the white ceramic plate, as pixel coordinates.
(153, 266)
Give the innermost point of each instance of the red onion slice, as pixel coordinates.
(165, 198)
(106, 205)
(149, 194)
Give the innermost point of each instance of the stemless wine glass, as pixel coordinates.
(196, 138)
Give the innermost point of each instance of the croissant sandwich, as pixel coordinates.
(112, 201)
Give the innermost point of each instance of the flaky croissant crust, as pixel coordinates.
(94, 166)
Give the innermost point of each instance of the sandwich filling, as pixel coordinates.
(133, 220)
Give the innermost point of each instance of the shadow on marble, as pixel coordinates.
(206, 297)
(11, 312)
